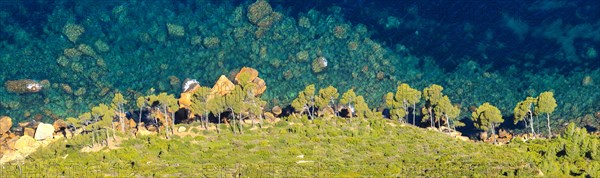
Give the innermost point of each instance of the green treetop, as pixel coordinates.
(349, 99)
(446, 111)
(234, 103)
(327, 98)
(486, 117)
(167, 104)
(199, 104)
(400, 102)
(361, 108)
(141, 103)
(216, 105)
(103, 115)
(117, 103)
(305, 101)
(396, 108)
(523, 111)
(107, 115)
(546, 105)
(432, 95)
(87, 116)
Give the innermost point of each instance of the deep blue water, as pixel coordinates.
(441, 26)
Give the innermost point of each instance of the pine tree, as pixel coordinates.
(327, 98)
(216, 105)
(404, 98)
(361, 108)
(167, 105)
(117, 104)
(305, 102)
(233, 103)
(349, 99)
(486, 117)
(200, 99)
(546, 105)
(444, 110)
(432, 95)
(524, 112)
(141, 104)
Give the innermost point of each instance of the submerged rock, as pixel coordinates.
(23, 86)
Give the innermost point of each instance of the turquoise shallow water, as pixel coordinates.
(497, 52)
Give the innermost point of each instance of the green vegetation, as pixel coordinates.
(546, 105)
(486, 117)
(445, 111)
(524, 112)
(327, 99)
(399, 103)
(432, 95)
(526, 109)
(200, 104)
(305, 102)
(314, 144)
(367, 147)
(117, 104)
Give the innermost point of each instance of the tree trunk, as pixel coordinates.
(140, 117)
(431, 118)
(531, 124)
(414, 106)
(240, 123)
(447, 120)
(93, 137)
(205, 120)
(548, 119)
(173, 126)
(493, 133)
(122, 119)
(107, 136)
(233, 126)
(166, 117)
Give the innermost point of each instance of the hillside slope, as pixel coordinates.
(299, 147)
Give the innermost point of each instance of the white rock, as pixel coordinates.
(44, 131)
(181, 129)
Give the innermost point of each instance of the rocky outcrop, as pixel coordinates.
(260, 85)
(222, 87)
(5, 124)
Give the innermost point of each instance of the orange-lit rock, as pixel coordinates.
(29, 131)
(185, 101)
(5, 124)
(59, 124)
(253, 74)
(223, 86)
(261, 86)
(189, 87)
(276, 110)
(23, 86)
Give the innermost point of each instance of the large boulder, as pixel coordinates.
(5, 124)
(26, 145)
(253, 73)
(59, 124)
(261, 86)
(44, 131)
(29, 131)
(223, 86)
